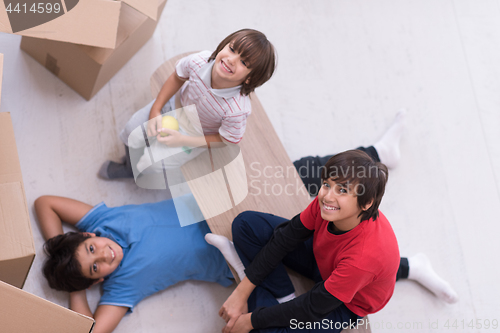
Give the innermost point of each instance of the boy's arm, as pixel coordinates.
(285, 239)
(106, 317)
(311, 306)
(176, 139)
(169, 88)
(52, 211)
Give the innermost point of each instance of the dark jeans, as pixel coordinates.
(251, 232)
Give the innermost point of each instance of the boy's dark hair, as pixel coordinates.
(61, 269)
(367, 178)
(254, 48)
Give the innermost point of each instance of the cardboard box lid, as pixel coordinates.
(130, 20)
(88, 22)
(149, 8)
(16, 240)
(21, 311)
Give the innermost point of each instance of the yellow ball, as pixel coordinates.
(170, 123)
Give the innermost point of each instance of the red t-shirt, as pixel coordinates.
(359, 267)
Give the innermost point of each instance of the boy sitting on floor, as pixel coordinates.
(135, 250)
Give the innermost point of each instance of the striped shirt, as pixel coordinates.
(222, 111)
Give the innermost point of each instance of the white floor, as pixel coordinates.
(345, 68)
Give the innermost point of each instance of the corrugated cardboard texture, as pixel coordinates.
(87, 22)
(149, 8)
(23, 312)
(17, 249)
(1, 74)
(87, 69)
(90, 22)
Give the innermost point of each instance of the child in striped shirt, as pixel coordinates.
(210, 92)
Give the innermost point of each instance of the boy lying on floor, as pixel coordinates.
(135, 250)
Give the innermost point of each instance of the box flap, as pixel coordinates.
(21, 311)
(1, 75)
(130, 21)
(89, 22)
(147, 7)
(15, 271)
(10, 169)
(15, 232)
(17, 249)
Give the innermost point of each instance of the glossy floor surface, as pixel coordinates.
(345, 68)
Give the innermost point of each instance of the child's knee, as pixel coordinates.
(241, 226)
(250, 225)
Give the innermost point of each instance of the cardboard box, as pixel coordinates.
(87, 69)
(17, 249)
(23, 312)
(1, 73)
(89, 22)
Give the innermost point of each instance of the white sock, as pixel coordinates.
(388, 146)
(226, 247)
(286, 298)
(422, 272)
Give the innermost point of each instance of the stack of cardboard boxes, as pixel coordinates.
(88, 44)
(84, 45)
(20, 311)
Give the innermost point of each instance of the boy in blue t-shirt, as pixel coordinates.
(135, 250)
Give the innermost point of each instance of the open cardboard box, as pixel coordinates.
(23, 312)
(88, 22)
(17, 249)
(87, 69)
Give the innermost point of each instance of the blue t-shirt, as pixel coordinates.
(157, 251)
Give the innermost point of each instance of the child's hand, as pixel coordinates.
(232, 309)
(173, 138)
(242, 325)
(154, 125)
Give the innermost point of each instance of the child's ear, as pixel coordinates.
(247, 81)
(367, 206)
(89, 234)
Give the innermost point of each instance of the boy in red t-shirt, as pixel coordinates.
(341, 241)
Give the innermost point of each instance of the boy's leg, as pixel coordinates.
(386, 150)
(114, 170)
(134, 139)
(418, 268)
(251, 232)
(310, 168)
(403, 269)
(338, 320)
(388, 146)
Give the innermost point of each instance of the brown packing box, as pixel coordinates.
(23, 312)
(87, 69)
(88, 22)
(1, 70)
(17, 249)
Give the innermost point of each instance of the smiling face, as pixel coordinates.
(229, 69)
(339, 203)
(98, 256)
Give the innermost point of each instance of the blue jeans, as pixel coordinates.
(251, 232)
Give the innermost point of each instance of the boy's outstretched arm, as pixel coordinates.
(106, 317)
(52, 211)
(168, 90)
